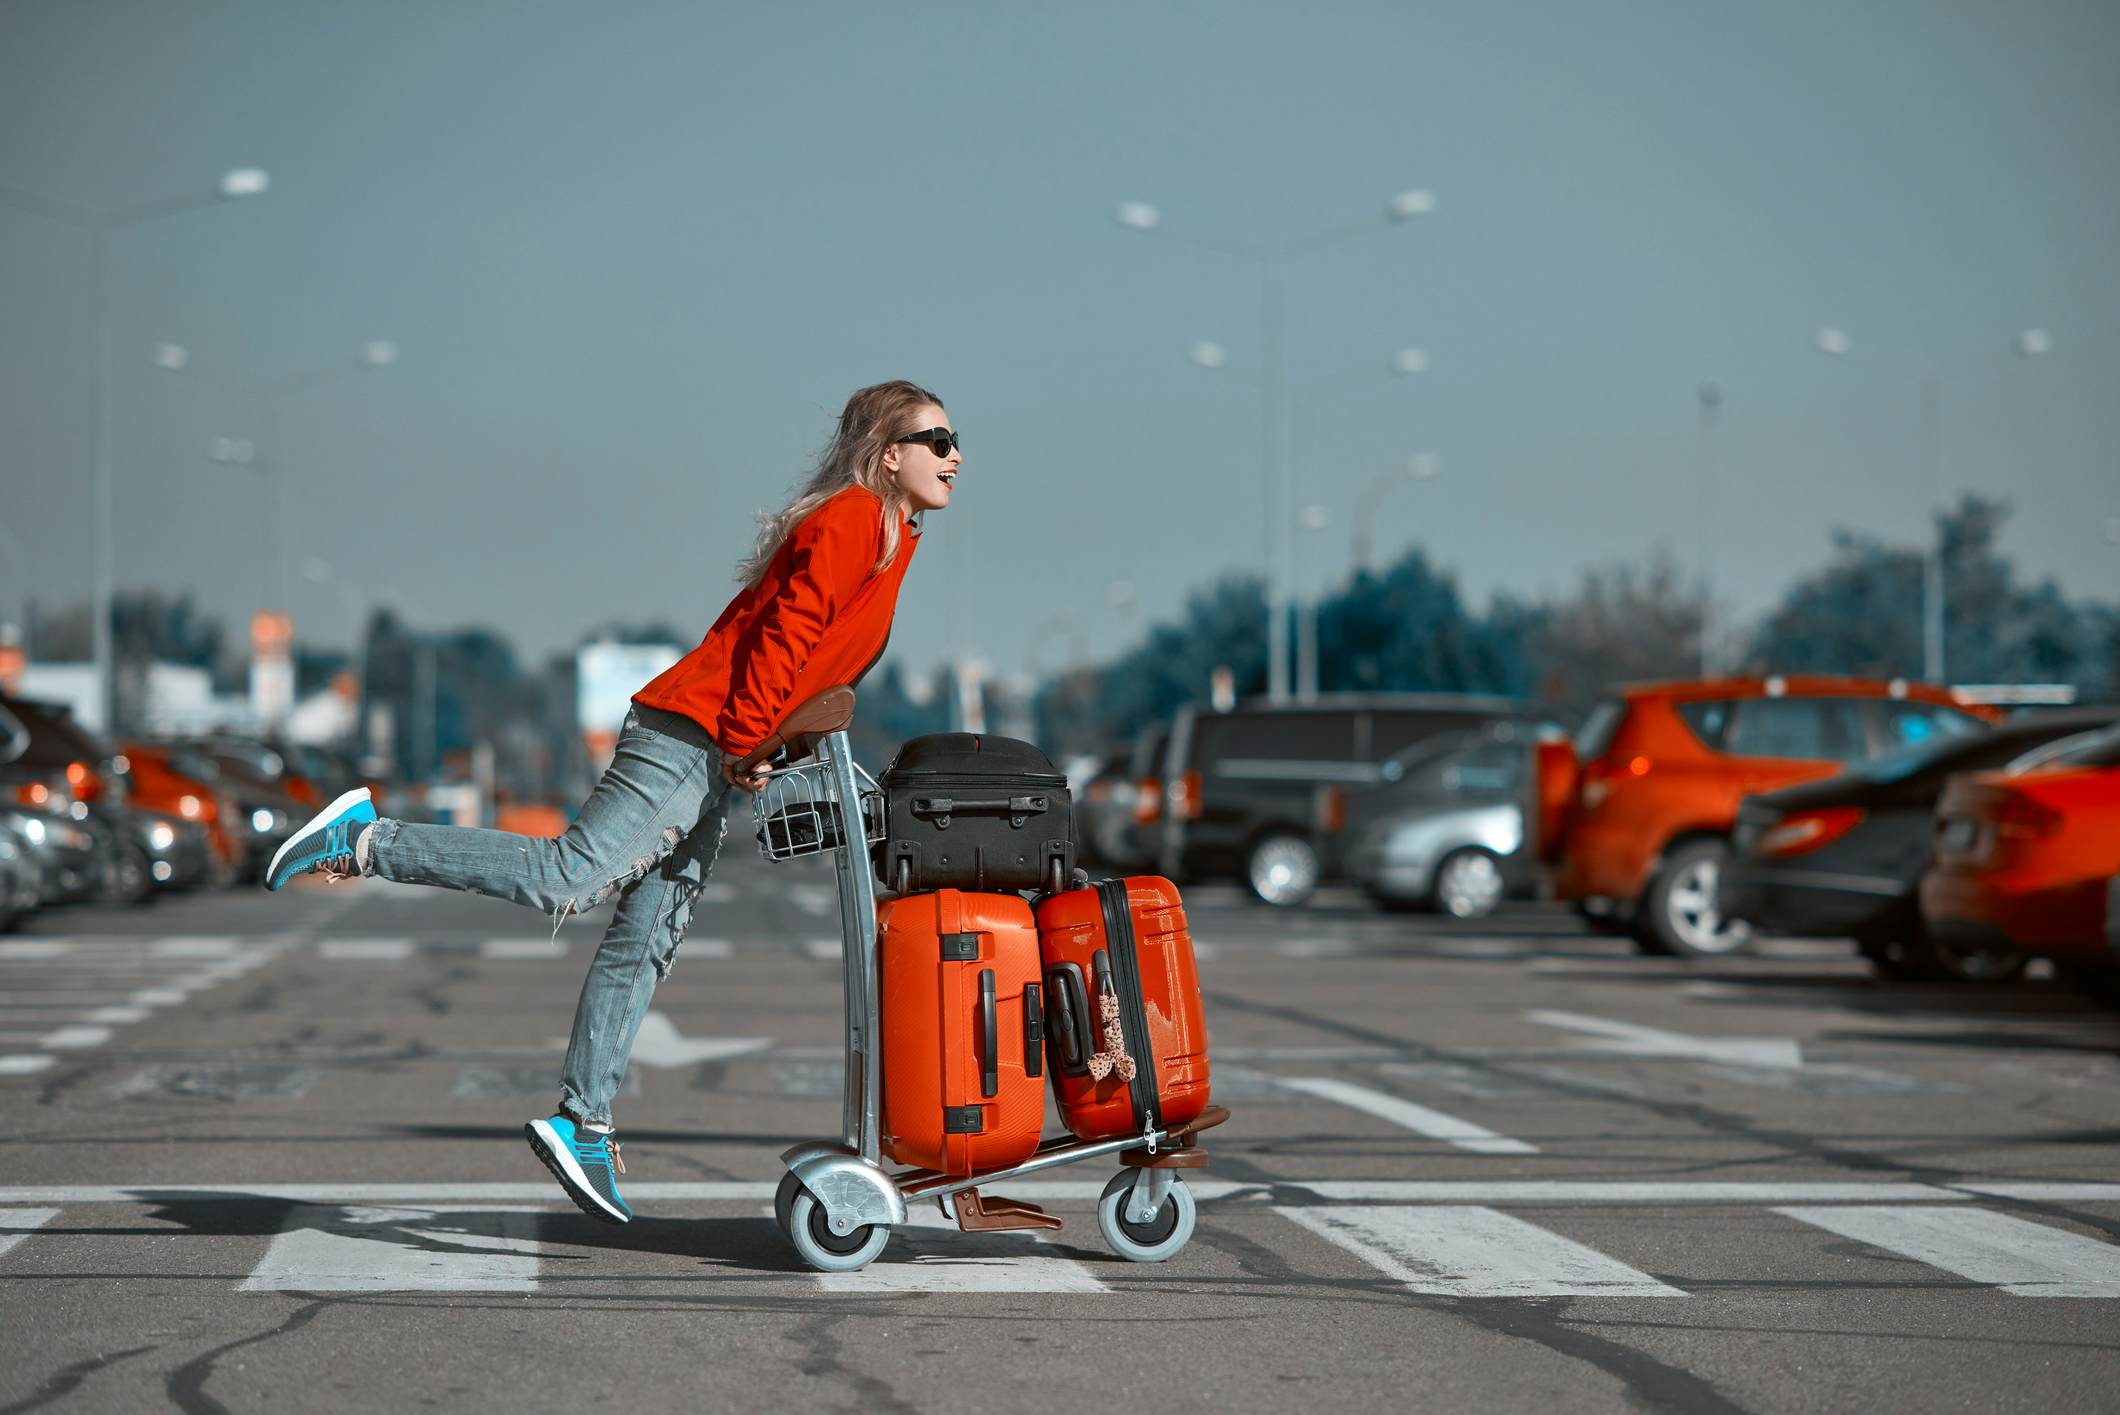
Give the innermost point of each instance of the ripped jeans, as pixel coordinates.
(649, 832)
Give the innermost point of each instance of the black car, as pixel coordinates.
(1243, 790)
(1843, 857)
(68, 784)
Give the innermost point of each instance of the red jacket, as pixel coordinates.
(818, 617)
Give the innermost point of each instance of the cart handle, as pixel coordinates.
(801, 730)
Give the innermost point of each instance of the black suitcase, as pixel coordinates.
(963, 810)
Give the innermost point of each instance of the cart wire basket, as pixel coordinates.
(797, 815)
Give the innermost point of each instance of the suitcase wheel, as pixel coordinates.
(814, 1240)
(1158, 1238)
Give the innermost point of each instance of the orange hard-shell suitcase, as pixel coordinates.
(962, 1030)
(1124, 940)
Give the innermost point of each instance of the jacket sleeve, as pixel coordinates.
(832, 551)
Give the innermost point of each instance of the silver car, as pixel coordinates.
(1446, 829)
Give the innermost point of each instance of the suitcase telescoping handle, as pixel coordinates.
(1033, 1032)
(1018, 809)
(990, 1033)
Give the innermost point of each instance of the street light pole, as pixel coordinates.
(101, 225)
(1278, 498)
(1315, 518)
(2030, 343)
(1422, 466)
(1710, 397)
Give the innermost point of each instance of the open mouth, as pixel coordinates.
(945, 477)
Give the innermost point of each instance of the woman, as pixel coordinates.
(815, 610)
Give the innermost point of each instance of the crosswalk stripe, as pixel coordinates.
(29, 949)
(708, 948)
(400, 1250)
(366, 950)
(1455, 1251)
(23, 1063)
(18, 1224)
(1418, 1118)
(715, 891)
(814, 898)
(195, 946)
(825, 950)
(523, 948)
(2021, 1257)
(920, 1259)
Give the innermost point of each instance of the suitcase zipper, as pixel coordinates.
(1133, 1014)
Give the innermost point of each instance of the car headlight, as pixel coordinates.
(261, 820)
(190, 806)
(160, 836)
(34, 829)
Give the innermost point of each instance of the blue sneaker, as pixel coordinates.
(586, 1164)
(326, 843)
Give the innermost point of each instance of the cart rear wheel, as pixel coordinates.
(1151, 1242)
(825, 1250)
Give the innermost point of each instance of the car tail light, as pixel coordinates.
(83, 781)
(1332, 808)
(2024, 819)
(1805, 831)
(1148, 801)
(1185, 797)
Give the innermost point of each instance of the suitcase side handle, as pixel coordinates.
(1068, 995)
(990, 1033)
(1033, 1032)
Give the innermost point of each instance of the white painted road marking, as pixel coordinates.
(825, 950)
(2047, 1193)
(2024, 1258)
(715, 891)
(707, 948)
(523, 948)
(815, 898)
(1417, 1118)
(22, 1063)
(401, 1250)
(18, 1224)
(366, 950)
(919, 1259)
(35, 948)
(195, 946)
(1629, 1039)
(1475, 1252)
(659, 1043)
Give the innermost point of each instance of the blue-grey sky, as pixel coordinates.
(636, 255)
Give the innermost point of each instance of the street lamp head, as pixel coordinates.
(231, 451)
(1138, 215)
(1833, 341)
(1710, 393)
(1316, 516)
(1424, 466)
(1407, 205)
(172, 357)
(1121, 594)
(2034, 342)
(244, 182)
(1409, 361)
(379, 353)
(1208, 354)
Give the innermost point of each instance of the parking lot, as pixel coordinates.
(1495, 1163)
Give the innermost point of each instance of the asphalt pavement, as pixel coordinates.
(266, 1155)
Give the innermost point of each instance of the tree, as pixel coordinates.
(1624, 623)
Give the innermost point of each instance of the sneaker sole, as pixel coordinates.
(546, 1145)
(328, 814)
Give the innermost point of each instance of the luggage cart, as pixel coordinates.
(837, 1203)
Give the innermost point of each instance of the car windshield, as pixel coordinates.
(1899, 765)
(1599, 728)
(2099, 748)
(1421, 755)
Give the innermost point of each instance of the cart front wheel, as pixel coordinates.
(1151, 1242)
(825, 1250)
(784, 1200)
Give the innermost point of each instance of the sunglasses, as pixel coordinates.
(941, 440)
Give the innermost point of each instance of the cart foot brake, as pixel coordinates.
(986, 1213)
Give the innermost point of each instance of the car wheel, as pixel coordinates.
(1282, 870)
(1468, 884)
(126, 880)
(1968, 962)
(1681, 914)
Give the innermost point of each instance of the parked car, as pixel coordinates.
(1648, 797)
(175, 849)
(1139, 836)
(68, 778)
(266, 813)
(21, 877)
(176, 781)
(2023, 863)
(1243, 789)
(1843, 857)
(1104, 807)
(1445, 828)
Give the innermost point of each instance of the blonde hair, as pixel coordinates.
(873, 419)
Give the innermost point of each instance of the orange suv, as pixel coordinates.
(1637, 814)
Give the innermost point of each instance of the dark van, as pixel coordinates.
(1243, 788)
